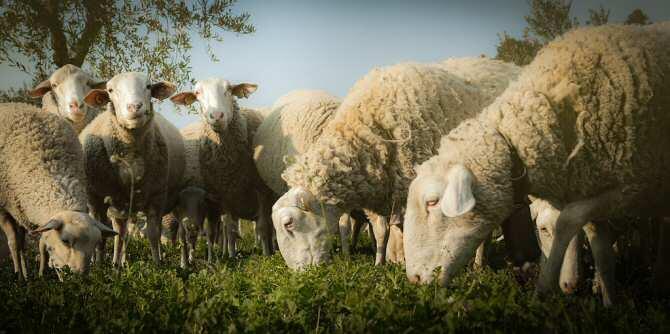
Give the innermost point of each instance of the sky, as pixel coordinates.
(319, 44)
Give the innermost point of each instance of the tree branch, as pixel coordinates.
(48, 17)
(94, 18)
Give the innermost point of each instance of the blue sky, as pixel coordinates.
(330, 44)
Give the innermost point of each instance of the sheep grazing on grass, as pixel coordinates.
(585, 127)
(43, 189)
(391, 120)
(294, 123)
(64, 92)
(133, 155)
(227, 167)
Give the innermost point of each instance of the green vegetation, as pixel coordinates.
(253, 293)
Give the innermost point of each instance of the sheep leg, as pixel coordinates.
(181, 232)
(395, 252)
(223, 235)
(43, 256)
(355, 232)
(480, 254)
(21, 245)
(213, 220)
(231, 233)
(572, 218)
(600, 238)
(264, 222)
(154, 234)
(120, 226)
(661, 273)
(381, 233)
(571, 268)
(10, 228)
(345, 231)
(371, 235)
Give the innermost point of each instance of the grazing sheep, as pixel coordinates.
(63, 94)
(391, 120)
(226, 160)
(43, 185)
(133, 155)
(585, 127)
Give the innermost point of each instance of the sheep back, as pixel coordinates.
(295, 122)
(41, 165)
(391, 119)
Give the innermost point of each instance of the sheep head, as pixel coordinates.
(70, 238)
(305, 228)
(130, 94)
(68, 86)
(217, 99)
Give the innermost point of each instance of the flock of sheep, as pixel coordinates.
(436, 156)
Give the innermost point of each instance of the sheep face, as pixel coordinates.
(130, 94)
(217, 99)
(443, 224)
(70, 238)
(68, 86)
(304, 228)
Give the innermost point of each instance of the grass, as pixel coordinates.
(252, 293)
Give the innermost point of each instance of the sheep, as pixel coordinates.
(133, 156)
(584, 127)
(225, 148)
(63, 94)
(42, 184)
(391, 119)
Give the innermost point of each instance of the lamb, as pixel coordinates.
(391, 119)
(43, 189)
(133, 156)
(225, 149)
(63, 94)
(584, 127)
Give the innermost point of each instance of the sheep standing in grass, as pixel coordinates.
(43, 185)
(134, 156)
(64, 92)
(585, 127)
(391, 120)
(225, 154)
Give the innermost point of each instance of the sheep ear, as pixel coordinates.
(162, 90)
(97, 98)
(184, 98)
(104, 229)
(53, 224)
(457, 198)
(243, 90)
(40, 89)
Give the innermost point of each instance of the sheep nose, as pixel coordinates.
(215, 115)
(74, 106)
(414, 279)
(134, 107)
(569, 287)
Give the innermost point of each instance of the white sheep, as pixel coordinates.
(133, 155)
(585, 127)
(391, 120)
(64, 92)
(225, 148)
(43, 189)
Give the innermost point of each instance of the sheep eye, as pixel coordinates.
(66, 242)
(431, 203)
(110, 90)
(148, 86)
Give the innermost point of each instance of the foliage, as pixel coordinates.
(252, 293)
(19, 95)
(111, 36)
(637, 16)
(547, 20)
(598, 17)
